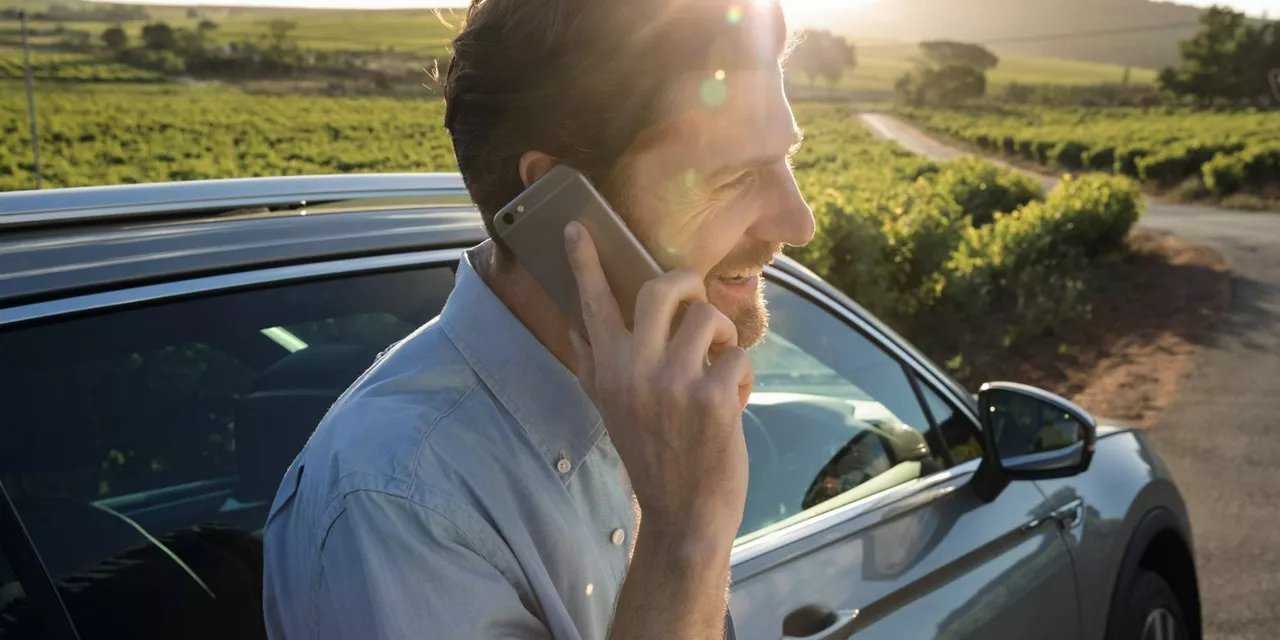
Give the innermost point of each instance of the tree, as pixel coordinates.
(206, 27)
(949, 72)
(159, 37)
(1228, 59)
(115, 38)
(821, 54)
(278, 34)
(946, 52)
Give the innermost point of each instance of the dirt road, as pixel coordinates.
(1216, 436)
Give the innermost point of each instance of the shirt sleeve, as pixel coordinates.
(396, 570)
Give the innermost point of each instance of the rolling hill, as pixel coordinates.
(1137, 33)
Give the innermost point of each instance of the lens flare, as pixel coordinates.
(714, 92)
(734, 15)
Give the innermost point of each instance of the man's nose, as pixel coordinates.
(786, 218)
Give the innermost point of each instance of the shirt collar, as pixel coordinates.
(544, 396)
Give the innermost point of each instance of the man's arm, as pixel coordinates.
(672, 403)
(393, 569)
(674, 588)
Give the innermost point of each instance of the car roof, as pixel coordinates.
(61, 242)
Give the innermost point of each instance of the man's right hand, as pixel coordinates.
(675, 420)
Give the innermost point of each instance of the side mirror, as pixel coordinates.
(1030, 434)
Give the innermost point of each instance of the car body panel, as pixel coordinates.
(938, 562)
(1126, 481)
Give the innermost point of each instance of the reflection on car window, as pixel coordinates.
(1023, 425)
(142, 447)
(961, 435)
(832, 419)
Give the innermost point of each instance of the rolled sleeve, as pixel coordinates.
(392, 569)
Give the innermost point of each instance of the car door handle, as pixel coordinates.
(1070, 515)
(1067, 517)
(814, 622)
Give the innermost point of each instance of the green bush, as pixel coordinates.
(944, 252)
(1127, 160)
(1018, 270)
(1069, 154)
(1224, 175)
(1176, 163)
(982, 189)
(1256, 168)
(1093, 213)
(1166, 167)
(1099, 158)
(1167, 146)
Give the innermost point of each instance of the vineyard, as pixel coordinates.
(961, 257)
(159, 133)
(964, 245)
(70, 67)
(1223, 153)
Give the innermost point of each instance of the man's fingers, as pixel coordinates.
(600, 314)
(733, 367)
(703, 329)
(659, 302)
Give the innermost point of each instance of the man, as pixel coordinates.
(487, 477)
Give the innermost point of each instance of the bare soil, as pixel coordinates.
(1125, 361)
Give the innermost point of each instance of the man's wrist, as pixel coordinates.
(692, 545)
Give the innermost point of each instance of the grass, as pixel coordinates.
(881, 64)
(417, 32)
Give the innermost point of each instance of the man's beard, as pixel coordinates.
(750, 316)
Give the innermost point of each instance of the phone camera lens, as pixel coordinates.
(509, 218)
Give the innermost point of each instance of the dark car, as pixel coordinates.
(166, 350)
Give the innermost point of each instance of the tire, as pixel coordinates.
(1151, 611)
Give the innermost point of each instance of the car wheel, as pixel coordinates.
(1151, 612)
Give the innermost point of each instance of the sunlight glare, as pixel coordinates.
(819, 9)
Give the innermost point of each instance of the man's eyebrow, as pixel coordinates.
(759, 162)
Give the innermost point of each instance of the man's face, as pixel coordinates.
(713, 190)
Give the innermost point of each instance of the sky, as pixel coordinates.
(1256, 7)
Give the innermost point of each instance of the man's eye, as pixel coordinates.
(741, 181)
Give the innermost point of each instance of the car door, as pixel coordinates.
(860, 518)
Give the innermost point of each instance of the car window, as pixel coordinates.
(961, 435)
(150, 441)
(833, 418)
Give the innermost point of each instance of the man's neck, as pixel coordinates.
(528, 302)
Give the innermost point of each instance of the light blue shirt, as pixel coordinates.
(464, 487)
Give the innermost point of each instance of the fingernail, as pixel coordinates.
(571, 235)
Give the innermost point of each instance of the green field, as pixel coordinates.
(881, 64)
(117, 134)
(418, 33)
(71, 67)
(1225, 152)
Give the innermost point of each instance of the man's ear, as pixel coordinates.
(534, 165)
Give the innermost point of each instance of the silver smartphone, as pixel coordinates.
(532, 226)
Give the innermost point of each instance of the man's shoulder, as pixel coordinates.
(419, 421)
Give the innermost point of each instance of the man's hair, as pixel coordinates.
(582, 80)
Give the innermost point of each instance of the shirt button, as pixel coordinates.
(563, 465)
(618, 536)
